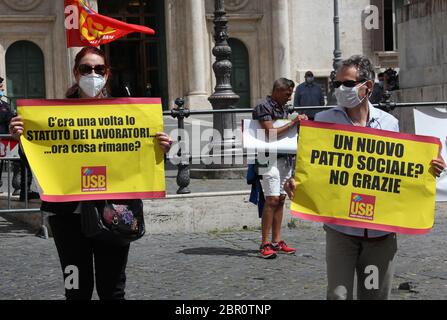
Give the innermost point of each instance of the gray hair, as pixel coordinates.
(282, 83)
(365, 69)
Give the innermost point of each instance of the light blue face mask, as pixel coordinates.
(349, 97)
(2, 94)
(310, 80)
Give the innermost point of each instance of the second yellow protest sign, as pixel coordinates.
(365, 178)
(94, 149)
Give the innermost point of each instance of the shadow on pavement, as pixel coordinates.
(220, 252)
(10, 225)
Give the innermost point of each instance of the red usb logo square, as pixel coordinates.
(362, 206)
(93, 179)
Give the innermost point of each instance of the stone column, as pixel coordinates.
(281, 38)
(197, 97)
(72, 52)
(60, 69)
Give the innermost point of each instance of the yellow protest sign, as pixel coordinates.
(91, 149)
(365, 178)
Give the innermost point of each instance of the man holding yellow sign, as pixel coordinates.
(372, 181)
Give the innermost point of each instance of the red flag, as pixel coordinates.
(85, 27)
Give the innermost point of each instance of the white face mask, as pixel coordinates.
(92, 84)
(348, 97)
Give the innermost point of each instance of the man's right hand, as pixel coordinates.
(290, 187)
(300, 118)
(16, 127)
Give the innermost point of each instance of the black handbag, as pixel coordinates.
(118, 222)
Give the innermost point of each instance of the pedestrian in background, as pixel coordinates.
(378, 89)
(5, 118)
(95, 260)
(309, 94)
(5, 110)
(19, 179)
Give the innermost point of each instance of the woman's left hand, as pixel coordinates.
(164, 141)
(438, 166)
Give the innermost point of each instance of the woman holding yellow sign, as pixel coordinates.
(84, 259)
(368, 253)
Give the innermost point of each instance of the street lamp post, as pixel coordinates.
(223, 96)
(337, 53)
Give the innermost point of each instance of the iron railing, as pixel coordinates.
(183, 168)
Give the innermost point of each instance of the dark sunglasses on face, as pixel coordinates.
(348, 83)
(85, 69)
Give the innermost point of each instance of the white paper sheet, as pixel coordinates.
(433, 122)
(254, 138)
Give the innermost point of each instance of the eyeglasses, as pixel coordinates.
(85, 69)
(348, 83)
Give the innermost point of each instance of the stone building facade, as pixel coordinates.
(271, 39)
(37, 26)
(422, 28)
(423, 71)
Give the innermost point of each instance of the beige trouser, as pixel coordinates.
(346, 255)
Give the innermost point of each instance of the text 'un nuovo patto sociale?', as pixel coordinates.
(374, 159)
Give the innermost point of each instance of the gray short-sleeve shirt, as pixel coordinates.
(269, 110)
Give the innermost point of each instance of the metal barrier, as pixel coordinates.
(9, 156)
(183, 175)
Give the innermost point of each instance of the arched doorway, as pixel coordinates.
(25, 72)
(240, 77)
(138, 60)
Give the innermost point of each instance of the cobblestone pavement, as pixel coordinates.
(221, 266)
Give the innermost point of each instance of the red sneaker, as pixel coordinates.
(283, 247)
(267, 251)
